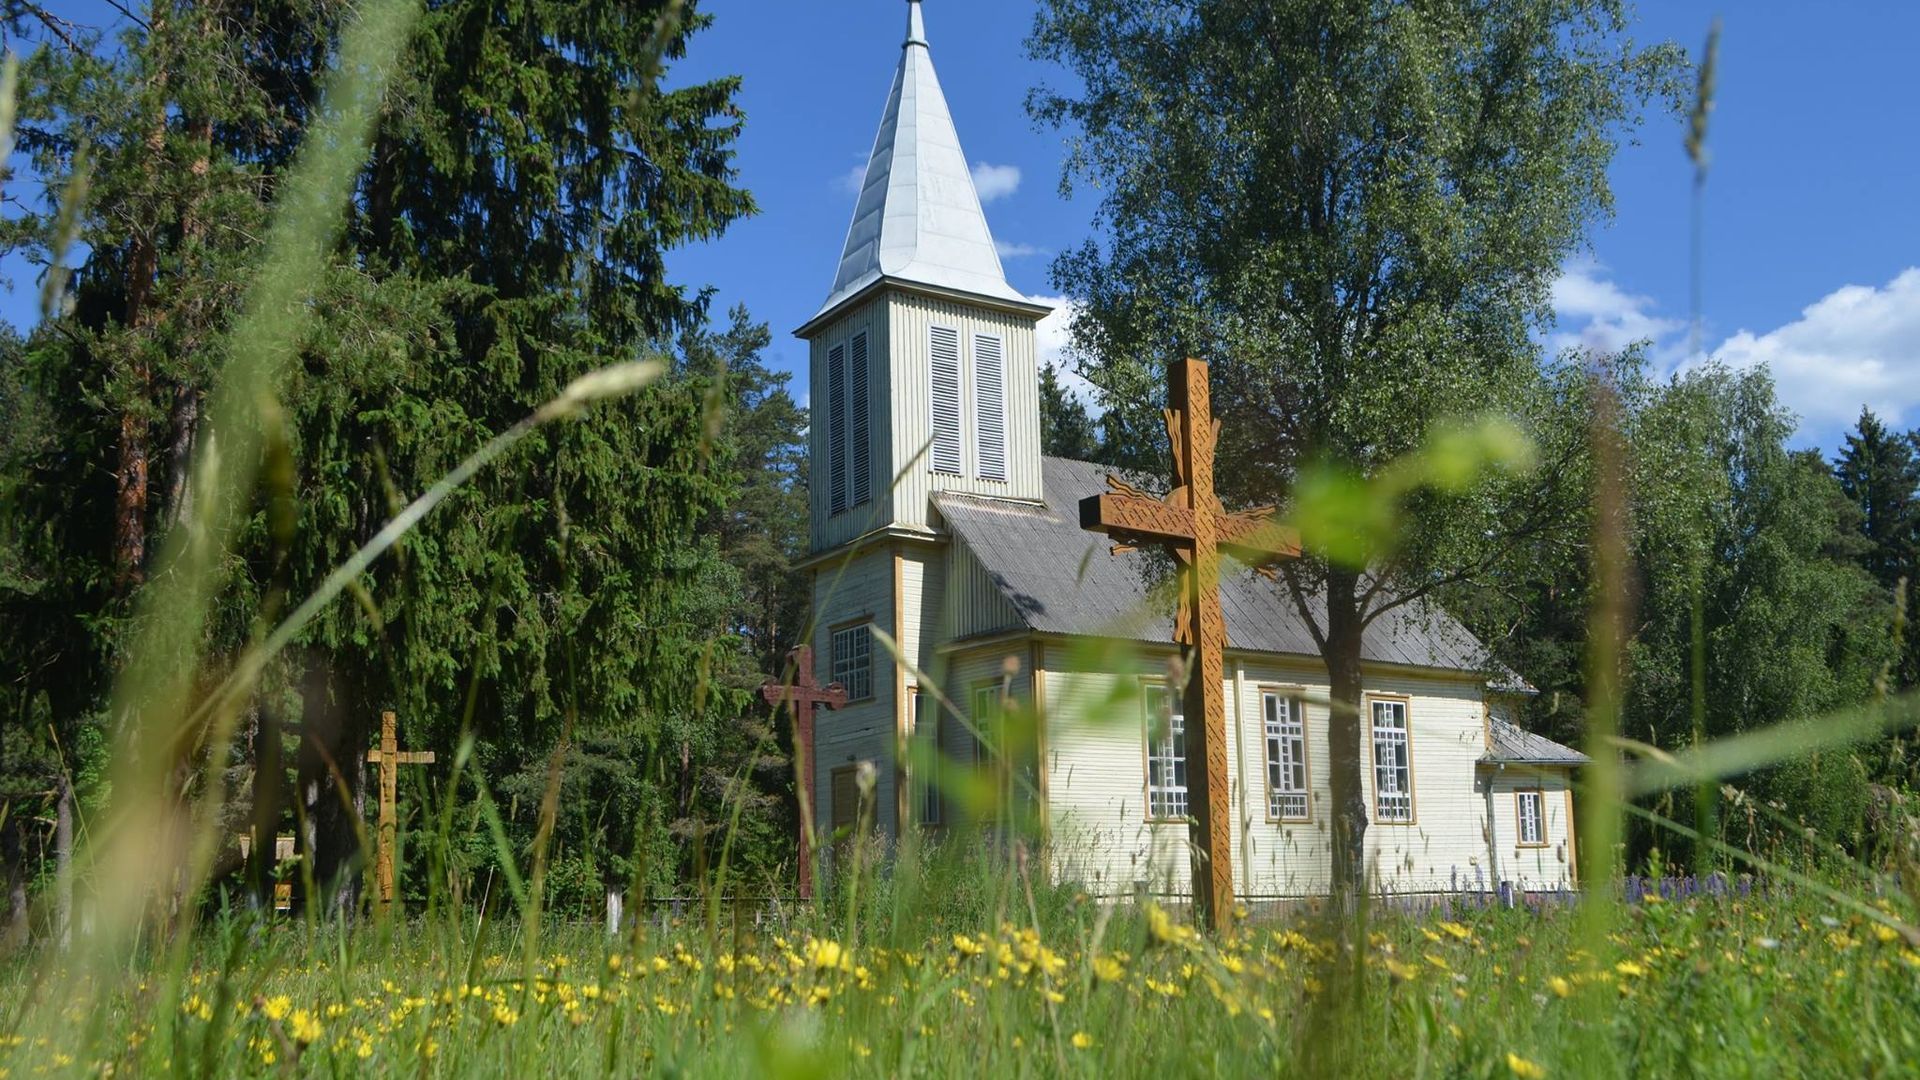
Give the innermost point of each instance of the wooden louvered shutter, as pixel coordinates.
(990, 406)
(944, 354)
(836, 429)
(862, 461)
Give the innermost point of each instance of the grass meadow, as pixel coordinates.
(980, 974)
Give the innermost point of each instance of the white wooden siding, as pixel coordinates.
(975, 605)
(860, 590)
(1532, 868)
(1097, 785)
(828, 527)
(911, 317)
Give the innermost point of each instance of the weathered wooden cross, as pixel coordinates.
(799, 699)
(390, 757)
(1192, 525)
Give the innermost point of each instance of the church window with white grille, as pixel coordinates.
(1530, 808)
(853, 661)
(1286, 738)
(1392, 763)
(1166, 755)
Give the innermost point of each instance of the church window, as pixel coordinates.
(990, 405)
(857, 389)
(836, 429)
(1286, 756)
(1166, 755)
(944, 367)
(1392, 763)
(1529, 808)
(926, 733)
(986, 722)
(853, 661)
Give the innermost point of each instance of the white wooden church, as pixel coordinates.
(937, 521)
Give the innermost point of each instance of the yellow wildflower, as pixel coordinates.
(306, 1027)
(1524, 1069)
(1082, 1041)
(505, 1016)
(1107, 969)
(1630, 969)
(1560, 987)
(824, 954)
(277, 1007)
(966, 946)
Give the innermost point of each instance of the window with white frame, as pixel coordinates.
(1392, 767)
(1286, 755)
(1531, 810)
(1166, 754)
(926, 732)
(853, 661)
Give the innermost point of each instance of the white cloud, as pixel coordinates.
(1054, 340)
(1596, 314)
(995, 181)
(1858, 345)
(1018, 251)
(851, 181)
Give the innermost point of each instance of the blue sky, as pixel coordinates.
(1811, 222)
(1812, 260)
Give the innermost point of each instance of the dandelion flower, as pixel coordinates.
(306, 1027)
(1524, 1069)
(1560, 987)
(277, 1007)
(1082, 1041)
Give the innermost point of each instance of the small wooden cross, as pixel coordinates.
(1192, 525)
(799, 698)
(390, 757)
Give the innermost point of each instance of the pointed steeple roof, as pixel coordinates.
(919, 220)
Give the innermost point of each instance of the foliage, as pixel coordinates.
(1880, 471)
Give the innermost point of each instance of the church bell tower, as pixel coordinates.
(924, 379)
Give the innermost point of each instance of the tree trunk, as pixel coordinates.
(268, 780)
(13, 861)
(331, 754)
(1345, 733)
(63, 862)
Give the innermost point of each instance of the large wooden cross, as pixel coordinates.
(799, 698)
(1192, 525)
(390, 757)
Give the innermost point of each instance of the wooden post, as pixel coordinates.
(390, 757)
(799, 698)
(1193, 526)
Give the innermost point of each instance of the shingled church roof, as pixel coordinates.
(1062, 579)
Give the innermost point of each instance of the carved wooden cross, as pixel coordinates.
(799, 699)
(1192, 525)
(390, 757)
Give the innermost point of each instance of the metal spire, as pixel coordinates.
(916, 28)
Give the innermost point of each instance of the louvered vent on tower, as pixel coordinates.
(990, 406)
(836, 429)
(944, 354)
(862, 463)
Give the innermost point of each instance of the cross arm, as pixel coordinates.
(1254, 538)
(1133, 518)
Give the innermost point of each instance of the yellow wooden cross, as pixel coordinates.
(390, 757)
(1192, 525)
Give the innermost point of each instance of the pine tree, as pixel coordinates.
(1880, 472)
(1066, 428)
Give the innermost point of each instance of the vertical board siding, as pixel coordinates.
(864, 326)
(912, 319)
(864, 730)
(967, 671)
(975, 605)
(990, 407)
(1532, 868)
